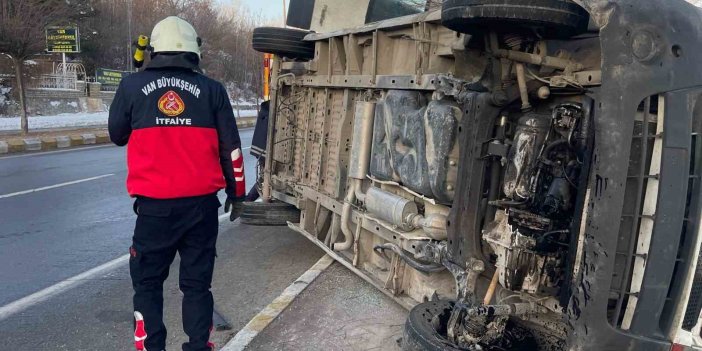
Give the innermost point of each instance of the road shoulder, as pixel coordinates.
(99, 313)
(338, 311)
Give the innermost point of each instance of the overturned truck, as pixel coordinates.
(520, 175)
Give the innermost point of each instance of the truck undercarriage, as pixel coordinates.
(521, 177)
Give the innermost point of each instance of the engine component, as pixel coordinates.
(431, 251)
(404, 214)
(558, 198)
(497, 150)
(529, 236)
(434, 225)
(543, 93)
(513, 309)
(566, 116)
(521, 265)
(559, 160)
(391, 208)
(571, 123)
(529, 138)
(529, 220)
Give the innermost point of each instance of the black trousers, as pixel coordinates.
(163, 227)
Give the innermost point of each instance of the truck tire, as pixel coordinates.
(269, 214)
(423, 327)
(552, 19)
(284, 42)
(425, 330)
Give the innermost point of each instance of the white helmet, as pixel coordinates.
(174, 34)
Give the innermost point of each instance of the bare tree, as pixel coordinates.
(226, 31)
(22, 24)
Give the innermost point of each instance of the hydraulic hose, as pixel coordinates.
(422, 267)
(552, 146)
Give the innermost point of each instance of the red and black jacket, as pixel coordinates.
(180, 127)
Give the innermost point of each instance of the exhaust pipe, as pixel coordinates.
(358, 167)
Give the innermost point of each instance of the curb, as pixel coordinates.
(256, 325)
(80, 139)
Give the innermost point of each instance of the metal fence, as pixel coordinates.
(108, 88)
(53, 81)
(71, 69)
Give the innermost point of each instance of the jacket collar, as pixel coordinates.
(180, 60)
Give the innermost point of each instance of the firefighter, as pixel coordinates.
(258, 146)
(183, 147)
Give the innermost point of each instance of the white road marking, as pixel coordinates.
(245, 148)
(271, 312)
(56, 152)
(54, 186)
(43, 295)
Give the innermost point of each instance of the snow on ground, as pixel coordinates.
(4, 95)
(245, 102)
(71, 120)
(245, 113)
(66, 120)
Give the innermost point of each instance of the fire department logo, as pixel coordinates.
(171, 104)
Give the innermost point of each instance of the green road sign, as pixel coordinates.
(106, 76)
(62, 39)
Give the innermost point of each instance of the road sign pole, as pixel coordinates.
(64, 84)
(63, 40)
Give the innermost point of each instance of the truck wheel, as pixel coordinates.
(284, 42)
(425, 328)
(269, 214)
(550, 18)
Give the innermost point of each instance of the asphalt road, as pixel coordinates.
(55, 233)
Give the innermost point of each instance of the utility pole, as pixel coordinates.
(129, 43)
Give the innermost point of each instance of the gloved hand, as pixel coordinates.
(236, 204)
